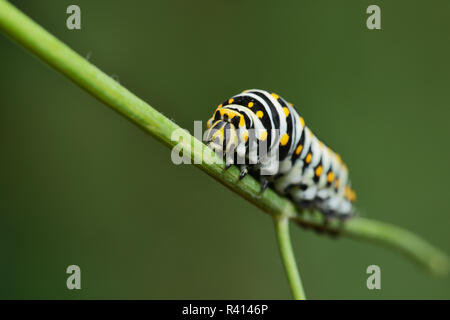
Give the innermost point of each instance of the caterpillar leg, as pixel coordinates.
(330, 216)
(264, 185)
(305, 204)
(310, 205)
(327, 218)
(244, 172)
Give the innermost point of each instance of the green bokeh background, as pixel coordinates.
(82, 185)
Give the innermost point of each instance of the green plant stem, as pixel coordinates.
(38, 41)
(288, 258)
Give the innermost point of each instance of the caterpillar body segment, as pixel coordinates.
(265, 135)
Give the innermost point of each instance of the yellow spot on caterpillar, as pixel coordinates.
(330, 176)
(263, 136)
(319, 170)
(284, 139)
(338, 158)
(308, 158)
(302, 122)
(260, 114)
(353, 196)
(250, 104)
(299, 149)
(242, 122)
(220, 106)
(230, 101)
(275, 96)
(245, 135)
(286, 111)
(230, 113)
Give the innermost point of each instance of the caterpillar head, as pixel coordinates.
(222, 137)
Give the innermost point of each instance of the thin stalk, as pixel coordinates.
(288, 258)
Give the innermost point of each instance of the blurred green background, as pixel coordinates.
(82, 185)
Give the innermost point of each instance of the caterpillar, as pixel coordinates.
(295, 163)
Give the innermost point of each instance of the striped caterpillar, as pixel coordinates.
(295, 162)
